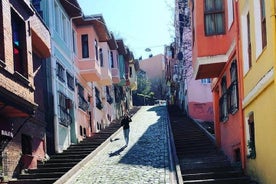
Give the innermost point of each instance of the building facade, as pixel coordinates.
(221, 63)
(192, 96)
(62, 80)
(257, 31)
(25, 44)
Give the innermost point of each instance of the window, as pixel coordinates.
(96, 49)
(98, 99)
(57, 15)
(62, 101)
(64, 104)
(85, 47)
(101, 57)
(64, 27)
(60, 72)
(233, 89)
(74, 41)
(70, 81)
(263, 23)
(83, 104)
(248, 41)
(206, 81)
(251, 142)
(223, 101)
(230, 13)
(19, 45)
(81, 131)
(214, 17)
(109, 99)
(112, 59)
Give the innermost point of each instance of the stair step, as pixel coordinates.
(34, 181)
(210, 175)
(234, 180)
(199, 159)
(51, 165)
(41, 175)
(62, 160)
(206, 170)
(69, 156)
(49, 170)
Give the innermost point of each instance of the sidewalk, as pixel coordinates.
(145, 160)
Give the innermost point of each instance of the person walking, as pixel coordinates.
(125, 123)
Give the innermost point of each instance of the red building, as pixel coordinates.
(216, 55)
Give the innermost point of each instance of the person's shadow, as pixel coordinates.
(117, 152)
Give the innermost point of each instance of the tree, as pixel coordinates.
(158, 86)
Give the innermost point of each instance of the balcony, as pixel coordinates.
(115, 75)
(40, 36)
(106, 78)
(209, 67)
(89, 70)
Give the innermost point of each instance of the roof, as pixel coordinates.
(97, 21)
(121, 47)
(112, 42)
(71, 7)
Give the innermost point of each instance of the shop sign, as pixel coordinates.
(6, 133)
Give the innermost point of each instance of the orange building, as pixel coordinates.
(216, 55)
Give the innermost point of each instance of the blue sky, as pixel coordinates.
(140, 23)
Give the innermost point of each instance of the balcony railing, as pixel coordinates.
(99, 104)
(83, 104)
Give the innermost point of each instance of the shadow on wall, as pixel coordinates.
(201, 111)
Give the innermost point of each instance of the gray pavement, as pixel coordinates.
(145, 160)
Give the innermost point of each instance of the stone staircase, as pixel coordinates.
(59, 164)
(199, 159)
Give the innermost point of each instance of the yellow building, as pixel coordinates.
(257, 36)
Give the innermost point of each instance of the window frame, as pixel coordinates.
(19, 44)
(96, 49)
(111, 59)
(233, 89)
(101, 57)
(98, 99)
(213, 13)
(70, 81)
(85, 46)
(249, 49)
(223, 101)
(60, 72)
(263, 23)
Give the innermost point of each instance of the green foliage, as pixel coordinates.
(252, 150)
(144, 85)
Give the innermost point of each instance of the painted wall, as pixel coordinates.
(229, 134)
(259, 93)
(154, 66)
(200, 101)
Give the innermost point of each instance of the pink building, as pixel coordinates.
(200, 100)
(153, 66)
(155, 72)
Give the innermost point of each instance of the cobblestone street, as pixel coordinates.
(145, 160)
